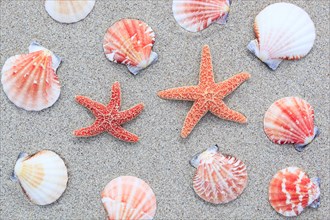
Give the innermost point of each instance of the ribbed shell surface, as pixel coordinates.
(291, 191)
(69, 11)
(42, 176)
(130, 42)
(130, 198)
(220, 179)
(284, 31)
(290, 120)
(196, 15)
(30, 81)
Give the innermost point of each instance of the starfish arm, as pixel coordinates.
(197, 111)
(115, 97)
(229, 85)
(122, 134)
(206, 70)
(187, 93)
(92, 130)
(95, 107)
(220, 109)
(130, 114)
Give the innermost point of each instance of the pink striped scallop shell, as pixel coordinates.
(130, 198)
(196, 15)
(130, 42)
(69, 11)
(218, 178)
(291, 191)
(290, 120)
(30, 80)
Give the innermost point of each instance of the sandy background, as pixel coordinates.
(161, 157)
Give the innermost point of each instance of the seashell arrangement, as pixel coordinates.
(130, 198)
(283, 31)
(69, 11)
(289, 36)
(196, 15)
(43, 176)
(291, 191)
(30, 80)
(130, 42)
(218, 178)
(290, 120)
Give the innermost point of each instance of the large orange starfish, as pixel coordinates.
(207, 95)
(109, 118)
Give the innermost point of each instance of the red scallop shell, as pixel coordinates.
(290, 120)
(218, 178)
(291, 191)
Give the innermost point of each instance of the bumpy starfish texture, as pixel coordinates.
(109, 118)
(207, 95)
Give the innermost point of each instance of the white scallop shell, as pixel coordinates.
(284, 32)
(69, 11)
(30, 80)
(42, 176)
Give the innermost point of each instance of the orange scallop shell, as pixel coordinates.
(218, 178)
(130, 42)
(291, 191)
(196, 15)
(130, 198)
(290, 120)
(30, 80)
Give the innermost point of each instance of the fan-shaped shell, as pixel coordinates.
(290, 120)
(196, 15)
(42, 176)
(130, 42)
(291, 191)
(218, 178)
(30, 81)
(130, 198)
(69, 11)
(284, 32)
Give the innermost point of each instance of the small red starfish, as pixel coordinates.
(207, 95)
(109, 118)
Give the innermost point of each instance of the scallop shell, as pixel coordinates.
(196, 15)
(30, 81)
(291, 191)
(130, 198)
(69, 11)
(290, 120)
(43, 176)
(130, 42)
(284, 32)
(218, 178)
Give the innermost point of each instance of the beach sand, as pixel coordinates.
(161, 158)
